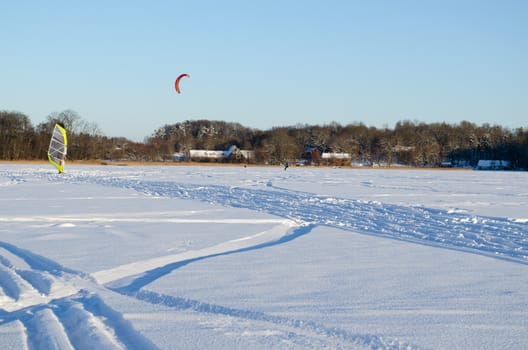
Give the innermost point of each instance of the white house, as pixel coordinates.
(195, 154)
(333, 158)
(232, 153)
(330, 155)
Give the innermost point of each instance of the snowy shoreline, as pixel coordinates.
(221, 164)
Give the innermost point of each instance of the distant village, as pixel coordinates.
(312, 157)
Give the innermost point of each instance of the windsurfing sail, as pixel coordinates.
(58, 147)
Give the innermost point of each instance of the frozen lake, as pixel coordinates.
(235, 258)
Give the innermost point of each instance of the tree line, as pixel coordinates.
(409, 143)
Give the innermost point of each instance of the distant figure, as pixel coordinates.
(286, 165)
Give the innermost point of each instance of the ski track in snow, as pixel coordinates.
(364, 340)
(491, 236)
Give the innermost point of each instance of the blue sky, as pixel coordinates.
(266, 63)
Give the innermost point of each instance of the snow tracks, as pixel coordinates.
(58, 308)
(491, 236)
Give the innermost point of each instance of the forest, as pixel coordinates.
(409, 143)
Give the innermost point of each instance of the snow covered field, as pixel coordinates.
(262, 258)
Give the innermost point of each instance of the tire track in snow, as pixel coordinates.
(55, 308)
(35, 261)
(491, 236)
(46, 331)
(79, 323)
(87, 314)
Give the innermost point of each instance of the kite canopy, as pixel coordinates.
(58, 147)
(177, 82)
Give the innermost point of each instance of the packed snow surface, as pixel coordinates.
(188, 257)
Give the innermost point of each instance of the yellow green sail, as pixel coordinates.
(58, 147)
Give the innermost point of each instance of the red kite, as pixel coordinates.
(177, 82)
